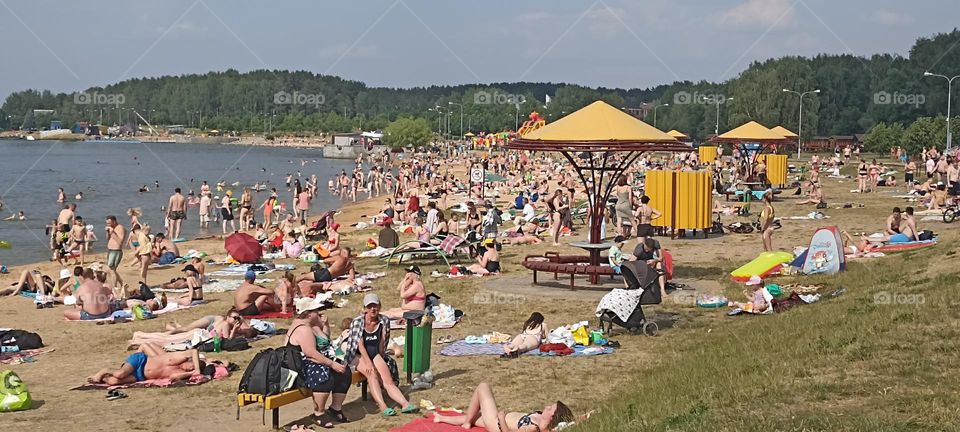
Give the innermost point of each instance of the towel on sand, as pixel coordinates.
(462, 348)
(426, 424)
(25, 356)
(160, 383)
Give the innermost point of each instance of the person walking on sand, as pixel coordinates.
(115, 236)
(176, 213)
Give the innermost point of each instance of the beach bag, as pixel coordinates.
(925, 235)
(14, 395)
(269, 371)
(21, 339)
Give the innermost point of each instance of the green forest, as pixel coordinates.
(856, 93)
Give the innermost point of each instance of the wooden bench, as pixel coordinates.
(274, 402)
(551, 262)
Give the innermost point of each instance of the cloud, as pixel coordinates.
(605, 21)
(533, 18)
(888, 18)
(759, 13)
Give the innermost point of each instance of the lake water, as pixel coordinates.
(110, 175)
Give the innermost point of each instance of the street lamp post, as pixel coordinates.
(516, 126)
(437, 110)
(800, 121)
(949, 94)
(461, 116)
(716, 128)
(655, 113)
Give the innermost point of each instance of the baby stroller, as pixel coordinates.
(638, 276)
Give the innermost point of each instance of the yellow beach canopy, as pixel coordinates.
(751, 131)
(469, 134)
(784, 131)
(599, 121)
(677, 134)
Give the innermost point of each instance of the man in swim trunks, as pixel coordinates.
(176, 212)
(340, 265)
(252, 299)
(115, 237)
(152, 363)
(165, 250)
(94, 300)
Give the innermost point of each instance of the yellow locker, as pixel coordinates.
(685, 199)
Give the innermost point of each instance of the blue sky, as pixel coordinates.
(72, 45)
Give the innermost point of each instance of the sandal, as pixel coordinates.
(113, 395)
(410, 409)
(389, 412)
(338, 415)
(320, 421)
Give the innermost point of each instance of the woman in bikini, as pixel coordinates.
(862, 172)
(489, 262)
(246, 209)
(533, 333)
(767, 216)
(413, 296)
(483, 412)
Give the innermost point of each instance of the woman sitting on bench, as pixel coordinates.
(310, 334)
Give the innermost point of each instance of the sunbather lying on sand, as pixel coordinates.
(150, 363)
(483, 412)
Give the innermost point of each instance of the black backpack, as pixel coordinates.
(263, 374)
(22, 339)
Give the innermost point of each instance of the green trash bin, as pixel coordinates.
(416, 357)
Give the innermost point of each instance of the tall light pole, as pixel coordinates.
(461, 116)
(655, 113)
(716, 128)
(439, 117)
(949, 94)
(800, 121)
(516, 126)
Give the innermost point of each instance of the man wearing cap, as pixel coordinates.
(252, 299)
(413, 296)
(388, 237)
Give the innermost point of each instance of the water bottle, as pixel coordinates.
(10, 348)
(216, 342)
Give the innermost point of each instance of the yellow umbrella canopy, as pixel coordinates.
(598, 127)
(784, 131)
(677, 134)
(750, 132)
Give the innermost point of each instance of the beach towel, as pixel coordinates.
(376, 252)
(128, 314)
(450, 244)
(578, 351)
(221, 372)
(461, 348)
(426, 424)
(25, 356)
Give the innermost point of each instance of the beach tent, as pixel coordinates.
(825, 254)
(785, 132)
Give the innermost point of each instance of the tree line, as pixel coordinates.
(856, 93)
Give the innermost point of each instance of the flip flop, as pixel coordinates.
(389, 412)
(337, 415)
(410, 409)
(320, 421)
(113, 395)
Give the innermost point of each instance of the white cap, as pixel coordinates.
(65, 273)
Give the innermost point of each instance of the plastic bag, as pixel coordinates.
(581, 336)
(561, 335)
(14, 395)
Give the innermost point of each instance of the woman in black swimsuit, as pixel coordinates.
(483, 412)
(489, 262)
